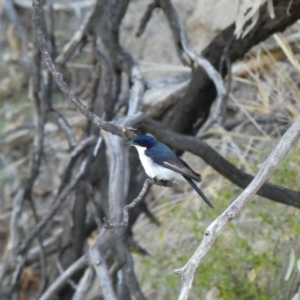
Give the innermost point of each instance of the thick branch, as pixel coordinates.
(194, 106)
(211, 157)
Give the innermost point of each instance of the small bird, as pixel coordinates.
(161, 163)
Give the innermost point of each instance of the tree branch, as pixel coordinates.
(60, 281)
(181, 38)
(58, 77)
(187, 272)
(220, 164)
(193, 108)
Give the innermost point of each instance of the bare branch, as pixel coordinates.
(11, 12)
(187, 272)
(145, 19)
(58, 202)
(69, 6)
(143, 192)
(102, 272)
(58, 77)
(131, 279)
(84, 284)
(124, 223)
(181, 37)
(87, 25)
(60, 281)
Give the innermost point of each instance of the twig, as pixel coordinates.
(50, 245)
(80, 148)
(58, 202)
(102, 272)
(187, 272)
(121, 59)
(124, 223)
(145, 19)
(89, 24)
(14, 241)
(63, 124)
(112, 83)
(69, 6)
(218, 116)
(146, 185)
(51, 113)
(107, 126)
(131, 279)
(84, 285)
(60, 281)
(11, 12)
(14, 223)
(179, 33)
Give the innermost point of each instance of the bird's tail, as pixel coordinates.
(197, 189)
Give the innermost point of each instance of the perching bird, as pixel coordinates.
(161, 163)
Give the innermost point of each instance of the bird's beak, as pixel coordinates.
(129, 143)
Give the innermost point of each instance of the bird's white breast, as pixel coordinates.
(154, 170)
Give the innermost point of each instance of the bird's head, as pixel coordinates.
(144, 141)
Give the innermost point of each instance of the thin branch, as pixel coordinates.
(63, 124)
(146, 18)
(131, 279)
(58, 77)
(143, 192)
(89, 24)
(68, 7)
(84, 284)
(61, 280)
(102, 272)
(58, 202)
(187, 272)
(124, 223)
(180, 35)
(73, 157)
(14, 17)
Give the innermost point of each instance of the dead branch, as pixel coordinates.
(124, 223)
(145, 19)
(58, 77)
(102, 272)
(196, 146)
(61, 197)
(140, 197)
(70, 6)
(12, 14)
(193, 107)
(84, 284)
(60, 281)
(180, 36)
(88, 25)
(187, 272)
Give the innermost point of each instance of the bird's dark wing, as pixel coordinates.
(179, 166)
(164, 156)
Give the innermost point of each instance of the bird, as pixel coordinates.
(161, 163)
